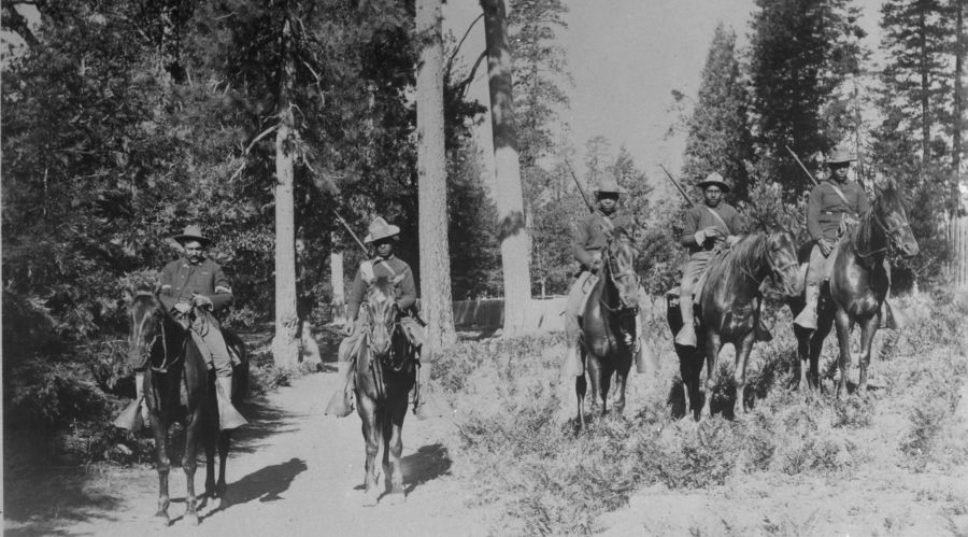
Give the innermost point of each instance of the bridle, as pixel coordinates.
(167, 361)
(615, 275)
(889, 232)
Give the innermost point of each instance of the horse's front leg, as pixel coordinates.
(868, 330)
(842, 320)
(594, 369)
(713, 345)
(373, 436)
(393, 450)
(743, 351)
(802, 378)
(190, 464)
(159, 428)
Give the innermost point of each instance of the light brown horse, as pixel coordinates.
(858, 286)
(609, 328)
(385, 374)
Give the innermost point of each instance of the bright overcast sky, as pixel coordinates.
(625, 57)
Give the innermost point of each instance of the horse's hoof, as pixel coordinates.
(191, 519)
(216, 503)
(371, 498)
(163, 519)
(395, 498)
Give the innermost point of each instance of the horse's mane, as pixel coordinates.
(888, 196)
(742, 255)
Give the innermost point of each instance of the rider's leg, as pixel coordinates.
(807, 318)
(643, 353)
(890, 319)
(139, 388)
(428, 404)
(211, 334)
(577, 295)
(690, 274)
(341, 403)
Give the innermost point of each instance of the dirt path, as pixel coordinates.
(293, 472)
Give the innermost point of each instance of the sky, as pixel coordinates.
(625, 58)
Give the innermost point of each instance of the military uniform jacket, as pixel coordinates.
(181, 279)
(699, 217)
(826, 209)
(390, 268)
(592, 233)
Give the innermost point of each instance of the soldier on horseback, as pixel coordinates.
(193, 289)
(591, 236)
(834, 205)
(706, 226)
(383, 237)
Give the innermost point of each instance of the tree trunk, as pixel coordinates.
(285, 346)
(959, 104)
(925, 89)
(509, 198)
(435, 286)
(338, 301)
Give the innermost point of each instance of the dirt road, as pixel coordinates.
(293, 472)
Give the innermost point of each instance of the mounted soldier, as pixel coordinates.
(194, 289)
(706, 226)
(385, 264)
(590, 237)
(833, 207)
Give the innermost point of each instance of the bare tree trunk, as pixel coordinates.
(435, 286)
(925, 90)
(509, 197)
(285, 346)
(336, 282)
(959, 105)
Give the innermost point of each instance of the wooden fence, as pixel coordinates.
(958, 239)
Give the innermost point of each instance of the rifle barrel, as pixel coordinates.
(802, 167)
(581, 191)
(678, 186)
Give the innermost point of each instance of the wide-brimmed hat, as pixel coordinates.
(380, 229)
(715, 178)
(192, 233)
(608, 185)
(840, 156)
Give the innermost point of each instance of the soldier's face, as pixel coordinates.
(713, 195)
(194, 251)
(384, 248)
(607, 202)
(839, 171)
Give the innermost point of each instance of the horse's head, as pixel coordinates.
(781, 256)
(146, 314)
(620, 270)
(382, 311)
(890, 213)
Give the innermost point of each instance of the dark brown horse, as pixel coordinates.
(609, 328)
(385, 374)
(858, 285)
(729, 310)
(178, 386)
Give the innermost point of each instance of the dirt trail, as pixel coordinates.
(293, 472)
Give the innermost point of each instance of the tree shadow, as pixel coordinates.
(427, 464)
(266, 484)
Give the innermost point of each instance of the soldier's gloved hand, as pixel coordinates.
(700, 237)
(182, 308)
(347, 329)
(732, 240)
(826, 247)
(202, 301)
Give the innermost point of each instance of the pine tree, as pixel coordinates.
(719, 135)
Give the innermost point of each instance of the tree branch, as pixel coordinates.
(450, 61)
(245, 153)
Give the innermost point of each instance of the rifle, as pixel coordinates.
(802, 167)
(678, 186)
(591, 208)
(350, 230)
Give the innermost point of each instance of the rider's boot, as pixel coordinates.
(139, 389)
(428, 404)
(572, 366)
(135, 415)
(341, 403)
(891, 320)
(687, 334)
(808, 316)
(228, 416)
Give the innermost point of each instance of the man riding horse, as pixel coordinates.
(834, 205)
(383, 237)
(591, 236)
(194, 288)
(706, 226)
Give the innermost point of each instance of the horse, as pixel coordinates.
(179, 386)
(385, 374)
(608, 327)
(729, 310)
(858, 285)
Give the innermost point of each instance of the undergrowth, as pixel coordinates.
(548, 480)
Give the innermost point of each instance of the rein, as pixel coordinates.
(613, 275)
(866, 229)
